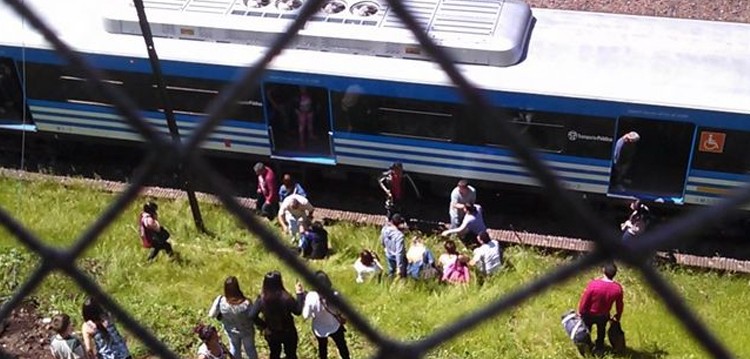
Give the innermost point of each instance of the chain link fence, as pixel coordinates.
(608, 245)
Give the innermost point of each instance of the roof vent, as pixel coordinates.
(486, 32)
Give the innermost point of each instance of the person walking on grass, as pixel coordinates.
(153, 235)
(65, 345)
(276, 306)
(267, 199)
(233, 311)
(211, 347)
(100, 336)
(327, 321)
(597, 300)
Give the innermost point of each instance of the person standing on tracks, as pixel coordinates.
(290, 186)
(392, 239)
(596, 303)
(153, 235)
(471, 226)
(622, 159)
(267, 199)
(462, 195)
(294, 211)
(392, 183)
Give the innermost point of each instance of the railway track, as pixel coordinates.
(509, 236)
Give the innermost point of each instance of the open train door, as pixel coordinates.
(650, 159)
(14, 114)
(299, 123)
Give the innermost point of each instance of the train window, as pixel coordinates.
(545, 130)
(395, 116)
(651, 157)
(56, 83)
(12, 106)
(722, 150)
(192, 96)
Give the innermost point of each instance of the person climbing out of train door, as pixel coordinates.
(392, 183)
(267, 200)
(305, 114)
(622, 160)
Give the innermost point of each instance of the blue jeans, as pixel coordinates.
(238, 339)
(391, 262)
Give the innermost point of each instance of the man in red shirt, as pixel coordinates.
(268, 199)
(596, 302)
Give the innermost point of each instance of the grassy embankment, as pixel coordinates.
(170, 298)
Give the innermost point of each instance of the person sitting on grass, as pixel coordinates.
(313, 243)
(211, 347)
(488, 257)
(367, 265)
(65, 345)
(449, 257)
(101, 339)
(421, 261)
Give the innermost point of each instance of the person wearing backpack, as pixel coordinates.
(597, 300)
(327, 321)
(233, 311)
(153, 235)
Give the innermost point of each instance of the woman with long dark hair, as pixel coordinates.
(276, 306)
(100, 336)
(233, 311)
(327, 321)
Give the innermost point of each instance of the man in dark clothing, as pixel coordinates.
(392, 183)
(596, 303)
(622, 159)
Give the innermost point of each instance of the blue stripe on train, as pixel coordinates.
(343, 152)
(467, 157)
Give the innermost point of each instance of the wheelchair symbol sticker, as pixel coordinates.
(712, 142)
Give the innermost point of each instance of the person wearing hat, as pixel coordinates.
(392, 239)
(392, 183)
(268, 200)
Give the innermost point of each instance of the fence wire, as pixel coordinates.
(608, 245)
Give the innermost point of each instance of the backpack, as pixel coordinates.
(577, 331)
(456, 272)
(145, 234)
(616, 336)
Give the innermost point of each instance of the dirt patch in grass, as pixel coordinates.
(24, 335)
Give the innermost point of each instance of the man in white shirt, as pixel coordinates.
(294, 210)
(462, 195)
(488, 257)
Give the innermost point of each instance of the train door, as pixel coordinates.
(14, 114)
(650, 158)
(299, 123)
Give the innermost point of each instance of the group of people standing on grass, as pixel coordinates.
(272, 314)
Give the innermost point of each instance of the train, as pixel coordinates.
(576, 84)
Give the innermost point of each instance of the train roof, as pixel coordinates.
(647, 60)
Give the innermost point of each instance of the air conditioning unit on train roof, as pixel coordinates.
(485, 32)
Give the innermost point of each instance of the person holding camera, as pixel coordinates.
(153, 235)
(327, 321)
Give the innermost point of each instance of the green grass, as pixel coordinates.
(170, 298)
